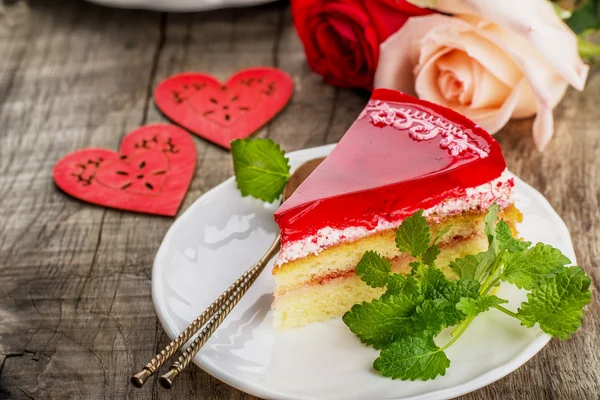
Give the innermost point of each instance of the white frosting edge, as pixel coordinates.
(479, 197)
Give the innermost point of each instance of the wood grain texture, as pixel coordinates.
(76, 317)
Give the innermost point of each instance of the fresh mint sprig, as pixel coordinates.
(414, 308)
(261, 168)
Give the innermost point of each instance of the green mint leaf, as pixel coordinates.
(382, 321)
(478, 266)
(261, 168)
(506, 240)
(471, 307)
(435, 286)
(472, 266)
(374, 269)
(431, 316)
(556, 304)
(428, 318)
(398, 284)
(432, 282)
(490, 227)
(412, 358)
(416, 268)
(487, 262)
(413, 236)
(462, 287)
(430, 255)
(441, 233)
(525, 269)
(452, 294)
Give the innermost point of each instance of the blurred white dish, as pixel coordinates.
(223, 233)
(179, 5)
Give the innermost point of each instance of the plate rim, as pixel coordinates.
(250, 387)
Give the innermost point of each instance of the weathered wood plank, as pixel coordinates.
(76, 316)
(78, 76)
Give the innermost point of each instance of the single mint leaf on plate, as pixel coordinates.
(431, 254)
(471, 307)
(526, 268)
(506, 240)
(412, 358)
(261, 168)
(382, 321)
(556, 304)
(413, 236)
(374, 269)
(398, 284)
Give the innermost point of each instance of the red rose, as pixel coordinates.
(341, 38)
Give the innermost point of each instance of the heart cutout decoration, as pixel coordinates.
(150, 174)
(221, 112)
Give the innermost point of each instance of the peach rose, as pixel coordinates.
(491, 61)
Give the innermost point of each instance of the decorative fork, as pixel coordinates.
(211, 318)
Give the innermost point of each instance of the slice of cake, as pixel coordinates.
(401, 155)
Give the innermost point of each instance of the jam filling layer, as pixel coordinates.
(480, 198)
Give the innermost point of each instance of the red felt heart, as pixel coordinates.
(151, 174)
(224, 112)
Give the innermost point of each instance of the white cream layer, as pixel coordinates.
(476, 198)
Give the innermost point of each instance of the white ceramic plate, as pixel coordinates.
(222, 234)
(179, 5)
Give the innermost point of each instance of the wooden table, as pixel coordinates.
(76, 316)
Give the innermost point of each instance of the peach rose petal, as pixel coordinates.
(410, 46)
(543, 127)
(493, 119)
(545, 83)
(426, 84)
(489, 91)
(538, 23)
(456, 76)
(515, 62)
(463, 36)
(400, 53)
(490, 56)
(527, 105)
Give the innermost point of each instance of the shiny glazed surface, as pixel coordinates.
(379, 172)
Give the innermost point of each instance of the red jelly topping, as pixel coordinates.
(391, 164)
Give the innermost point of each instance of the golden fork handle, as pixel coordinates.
(139, 379)
(183, 361)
